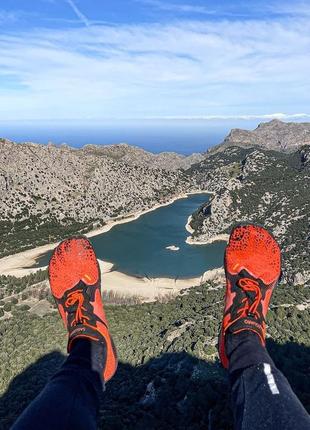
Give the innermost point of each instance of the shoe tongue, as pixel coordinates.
(84, 331)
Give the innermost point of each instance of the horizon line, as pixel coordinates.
(245, 117)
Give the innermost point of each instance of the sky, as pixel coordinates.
(101, 59)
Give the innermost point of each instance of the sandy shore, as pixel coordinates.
(149, 289)
(146, 289)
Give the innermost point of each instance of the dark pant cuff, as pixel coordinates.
(244, 350)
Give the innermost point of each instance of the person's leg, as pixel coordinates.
(261, 396)
(71, 398)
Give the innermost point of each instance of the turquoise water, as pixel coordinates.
(138, 247)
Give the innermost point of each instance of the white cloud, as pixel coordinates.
(280, 116)
(185, 69)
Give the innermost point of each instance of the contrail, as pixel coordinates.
(78, 13)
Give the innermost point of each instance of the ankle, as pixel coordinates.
(245, 349)
(233, 341)
(88, 353)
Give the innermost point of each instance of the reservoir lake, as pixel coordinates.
(139, 247)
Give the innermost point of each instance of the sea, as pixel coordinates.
(182, 136)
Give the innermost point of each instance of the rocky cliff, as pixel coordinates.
(275, 135)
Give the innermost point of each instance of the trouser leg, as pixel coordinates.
(70, 400)
(261, 396)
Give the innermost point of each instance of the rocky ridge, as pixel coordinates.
(133, 155)
(276, 135)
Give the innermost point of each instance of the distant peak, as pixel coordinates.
(276, 135)
(274, 122)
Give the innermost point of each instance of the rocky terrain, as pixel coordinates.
(169, 375)
(48, 191)
(133, 155)
(276, 135)
(264, 187)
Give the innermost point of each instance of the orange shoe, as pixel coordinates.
(74, 276)
(252, 268)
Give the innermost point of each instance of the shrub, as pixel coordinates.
(7, 307)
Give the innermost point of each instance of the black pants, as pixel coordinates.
(261, 396)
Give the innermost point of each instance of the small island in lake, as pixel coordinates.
(173, 248)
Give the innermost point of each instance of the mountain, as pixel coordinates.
(275, 135)
(47, 190)
(169, 374)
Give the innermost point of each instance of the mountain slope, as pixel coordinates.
(264, 187)
(47, 190)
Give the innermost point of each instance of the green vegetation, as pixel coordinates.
(234, 169)
(10, 285)
(30, 232)
(7, 307)
(169, 349)
(271, 189)
(198, 217)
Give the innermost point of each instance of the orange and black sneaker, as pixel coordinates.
(252, 267)
(74, 276)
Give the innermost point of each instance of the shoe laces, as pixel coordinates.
(77, 297)
(250, 285)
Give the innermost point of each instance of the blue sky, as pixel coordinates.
(98, 59)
